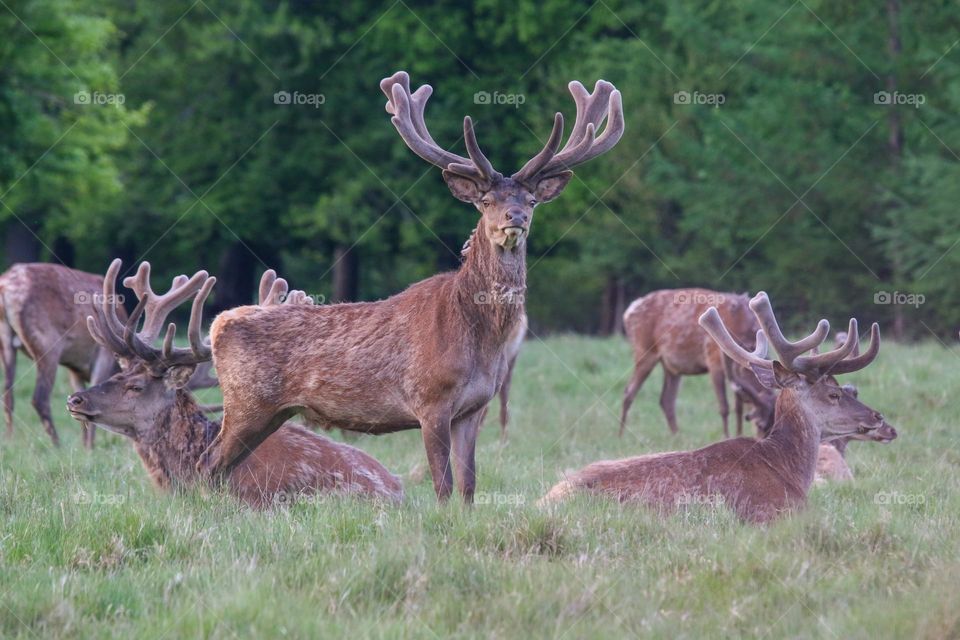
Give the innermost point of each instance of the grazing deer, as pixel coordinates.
(430, 357)
(758, 479)
(662, 327)
(45, 306)
(149, 403)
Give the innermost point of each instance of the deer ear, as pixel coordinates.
(776, 377)
(178, 376)
(462, 188)
(549, 188)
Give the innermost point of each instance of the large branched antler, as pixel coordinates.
(407, 110)
(125, 341)
(592, 109)
(843, 359)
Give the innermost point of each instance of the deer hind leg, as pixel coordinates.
(719, 381)
(464, 436)
(88, 429)
(641, 370)
(505, 399)
(9, 355)
(47, 365)
(668, 398)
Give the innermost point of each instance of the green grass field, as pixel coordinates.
(89, 549)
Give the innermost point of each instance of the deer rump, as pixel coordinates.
(371, 367)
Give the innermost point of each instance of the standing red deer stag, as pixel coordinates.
(758, 479)
(45, 306)
(662, 327)
(149, 403)
(430, 357)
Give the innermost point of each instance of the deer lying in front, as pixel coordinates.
(148, 403)
(758, 479)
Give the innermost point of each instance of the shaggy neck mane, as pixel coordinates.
(793, 443)
(183, 433)
(491, 284)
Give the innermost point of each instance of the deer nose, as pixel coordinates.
(515, 218)
(75, 400)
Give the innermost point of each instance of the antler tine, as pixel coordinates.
(481, 167)
(160, 306)
(102, 334)
(266, 284)
(199, 350)
(712, 323)
(823, 362)
(605, 103)
(788, 351)
(407, 110)
(539, 161)
(297, 296)
(110, 321)
(857, 362)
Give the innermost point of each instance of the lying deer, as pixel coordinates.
(662, 328)
(430, 357)
(45, 306)
(758, 479)
(148, 402)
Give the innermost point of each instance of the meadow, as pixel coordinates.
(88, 548)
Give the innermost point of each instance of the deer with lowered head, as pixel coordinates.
(44, 308)
(759, 479)
(662, 328)
(149, 403)
(430, 357)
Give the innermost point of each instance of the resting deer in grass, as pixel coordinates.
(149, 403)
(662, 328)
(430, 357)
(758, 479)
(45, 306)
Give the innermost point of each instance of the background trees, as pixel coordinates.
(785, 170)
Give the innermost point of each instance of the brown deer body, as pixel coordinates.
(662, 328)
(758, 479)
(45, 306)
(148, 403)
(430, 357)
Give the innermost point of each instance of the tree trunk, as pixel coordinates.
(612, 306)
(20, 244)
(346, 274)
(895, 137)
(235, 277)
(64, 252)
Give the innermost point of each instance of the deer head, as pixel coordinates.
(129, 402)
(806, 382)
(506, 203)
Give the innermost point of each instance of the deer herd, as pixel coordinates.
(430, 358)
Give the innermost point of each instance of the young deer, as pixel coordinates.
(662, 327)
(430, 357)
(758, 479)
(45, 306)
(148, 402)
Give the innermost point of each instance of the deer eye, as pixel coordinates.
(486, 202)
(834, 395)
(136, 388)
(532, 202)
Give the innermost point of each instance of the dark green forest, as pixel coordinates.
(809, 149)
